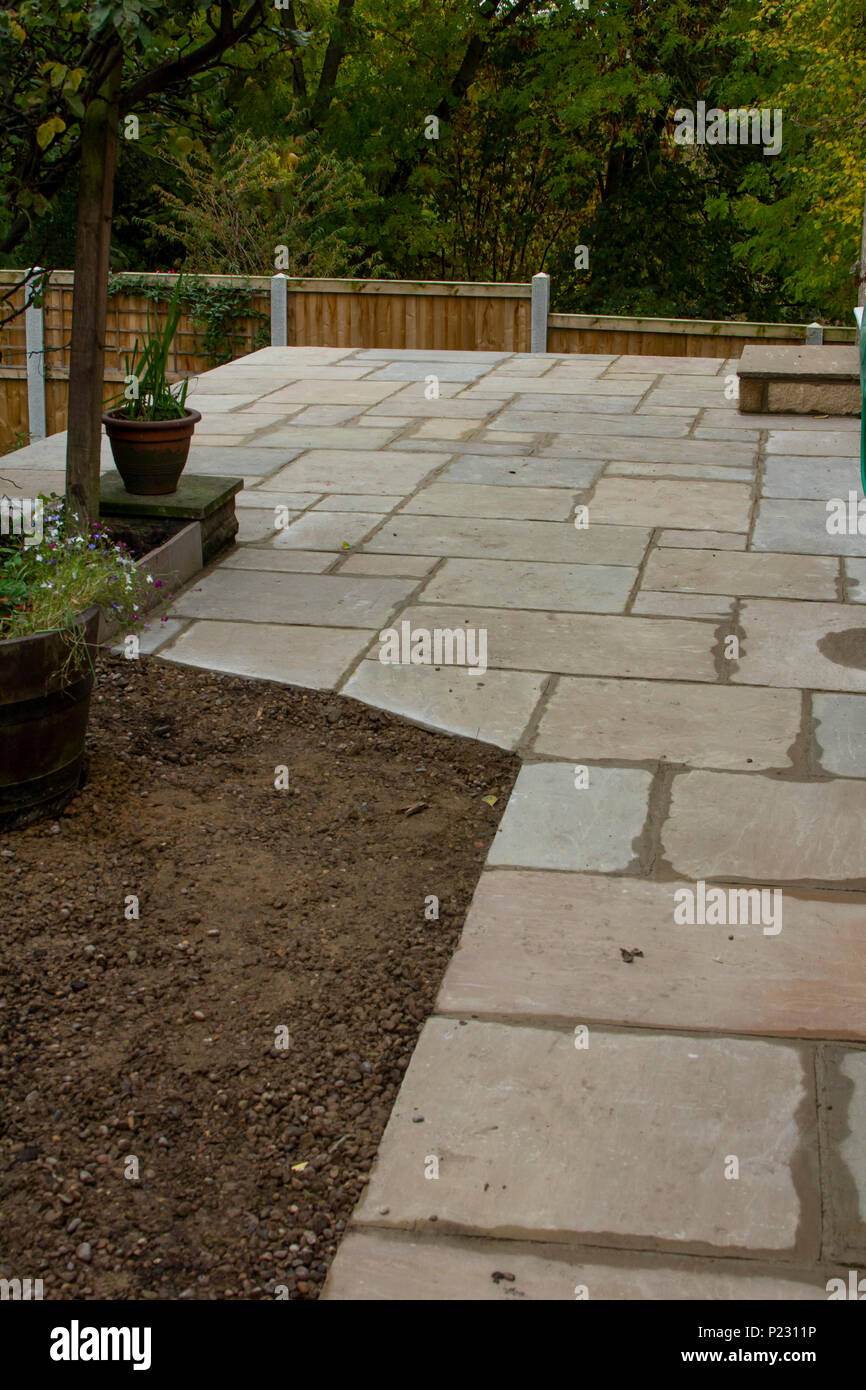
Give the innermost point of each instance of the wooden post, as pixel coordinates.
(861, 297)
(90, 296)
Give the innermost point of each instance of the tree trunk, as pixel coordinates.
(861, 297)
(90, 296)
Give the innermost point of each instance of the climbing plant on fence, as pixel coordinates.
(219, 313)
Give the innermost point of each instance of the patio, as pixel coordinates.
(683, 678)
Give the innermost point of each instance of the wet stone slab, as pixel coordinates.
(529, 1142)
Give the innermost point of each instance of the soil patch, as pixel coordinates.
(191, 1100)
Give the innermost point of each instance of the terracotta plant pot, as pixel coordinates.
(45, 685)
(150, 455)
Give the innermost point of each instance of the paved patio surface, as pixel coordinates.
(619, 1104)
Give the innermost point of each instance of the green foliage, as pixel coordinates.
(49, 584)
(232, 212)
(156, 398)
(216, 311)
(555, 126)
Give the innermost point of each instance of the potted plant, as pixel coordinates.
(150, 435)
(54, 585)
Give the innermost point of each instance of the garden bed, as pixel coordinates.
(260, 909)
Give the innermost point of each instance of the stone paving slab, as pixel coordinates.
(520, 470)
(393, 1266)
(551, 824)
(469, 499)
(548, 946)
(712, 726)
(211, 403)
(788, 475)
(444, 428)
(325, 414)
(773, 421)
(327, 530)
(590, 415)
(359, 393)
(731, 572)
(696, 505)
(856, 577)
(324, 437)
(669, 412)
(389, 422)
(679, 366)
(644, 448)
(703, 540)
(359, 502)
(844, 1119)
(800, 527)
(342, 470)
(414, 407)
(265, 557)
(723, 825)
(487, 538)
(417, 565)
(718, 473)
(840, 733)
(228, 426)
(582, 644)
(235, 376)
(31, 482)
(327, 600)
(530, 1144)
(237, 459)
(495, 707)
(225, 438)
(558, 386)
(445, 368)
(532, 584)
(711, 398)
(264, 496)
(540, 417)
(158, 633)
(666, 605)
(315, 657)
(835, 443)
(818, 646)
(292, 357)
(737, 436)
(256, 523)
(376, 355)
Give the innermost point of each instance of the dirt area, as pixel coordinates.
(191, 1100)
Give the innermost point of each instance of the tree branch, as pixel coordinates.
(334, 55)
(201, 58)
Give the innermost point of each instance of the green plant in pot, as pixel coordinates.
(150, 434)
(54, 585)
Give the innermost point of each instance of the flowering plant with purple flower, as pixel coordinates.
(48, 585)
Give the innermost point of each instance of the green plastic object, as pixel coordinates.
(859, 316)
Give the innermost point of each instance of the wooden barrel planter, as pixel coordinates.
(45, 684)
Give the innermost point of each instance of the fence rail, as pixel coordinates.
(434, 315)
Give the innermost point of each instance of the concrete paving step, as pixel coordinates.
(800, 380)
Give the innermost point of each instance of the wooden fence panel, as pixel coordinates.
(432, 315)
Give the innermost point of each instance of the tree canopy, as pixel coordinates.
(466, 139)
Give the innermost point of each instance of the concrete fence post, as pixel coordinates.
(279, 310)
(540, 308)
(34, 339)
(814, 334)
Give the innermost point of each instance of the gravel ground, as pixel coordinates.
(191, 1100)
